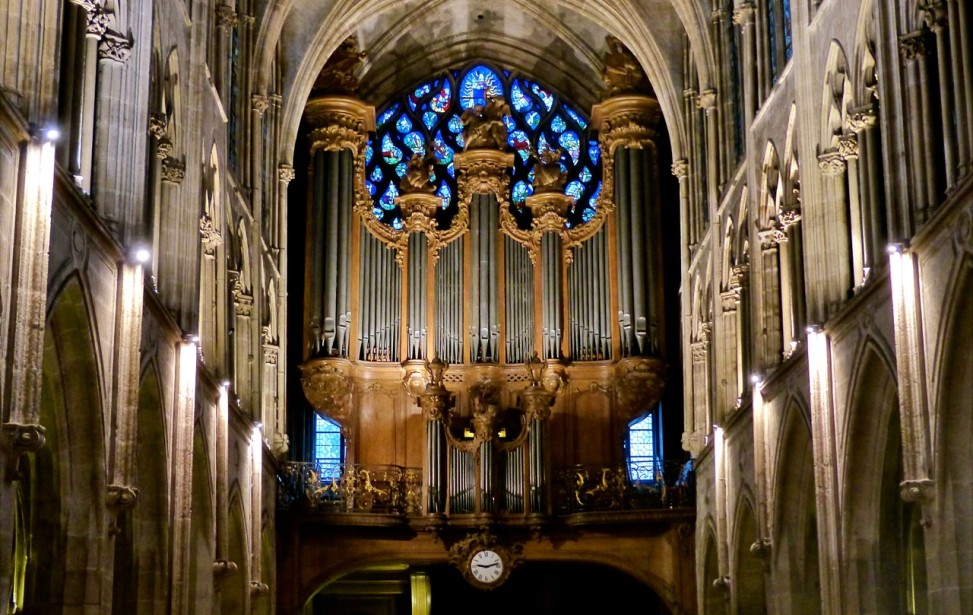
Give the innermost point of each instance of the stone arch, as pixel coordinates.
(866, 69)
(952, 371)
(171, 96)
(235, 588)
(836, 97)
(203, 528)
(875, 517)
(714, 599)
(151, 477)
(770, 193)
(794, 541)
(66, 483)
(747, 571)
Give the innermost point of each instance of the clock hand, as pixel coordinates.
(486, 565)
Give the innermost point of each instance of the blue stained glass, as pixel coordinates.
(456, 124)
(574, 189)
(585, 175)
(570, 142)
(593, 201)
(369, 152)
(477, 83)
(416, 142)
(519, 100)
(587, 214)
(533, 118)
(577, 118)
(451, 170)
(788, 42)
(387, 201)
(460, 141)
(376, 175)
(509, 123)
(445, 193)
(641, 449)
(443, 100)
(390, 152)
(397, 224)
(401, 169)
(371, 187)
(521, 191)
(546, 97)
(419, 92)
(520, 142)
(443, 152)
(530, 177)
(558, 124)
(403, 124)
(594, 152)
(387, 114)
(429, 119)
(378, 212)
(327, 447)
(543, 145)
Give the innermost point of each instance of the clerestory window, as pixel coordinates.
(429, 116)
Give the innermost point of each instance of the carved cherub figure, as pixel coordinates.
(418, 176)
(483, 125)
(622, 73)
(548, 174)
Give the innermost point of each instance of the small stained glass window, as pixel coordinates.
(329, 447)
(643, 452)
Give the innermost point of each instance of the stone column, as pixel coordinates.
(824, 452)
(848, 148)
(961, 51)
(226, 19)
(918, 481)
(707, 102)
(728, 366)
(922, 132)
(843, 277)
(627, 127)
(702, 414)
(934, 14)
(743, 17)
(182, 473)
(874, 230)
(281, 443)
(771, 312)
(792, 279)
(96, 28)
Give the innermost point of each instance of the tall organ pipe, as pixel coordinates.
(449, 303)
(623, 205)
(519, 285)
(551, 293)
(588, 289)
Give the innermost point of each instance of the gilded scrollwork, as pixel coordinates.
(639, 383)
(328, 387)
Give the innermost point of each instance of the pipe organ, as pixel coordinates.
(490, 289)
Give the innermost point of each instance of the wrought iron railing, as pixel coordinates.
(588, 488)
(351, 488)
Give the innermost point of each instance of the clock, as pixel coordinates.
(484, 561)
(486, 566)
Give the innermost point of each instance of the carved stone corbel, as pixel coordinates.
(639, 383)
(285, 173)
(119, 499)
(223, 568)
(19, 440)
(260, 104)
(226, 16)
(831, 163)
(328, 386)
(917, 491)
(115, 47)
(743, 14)
(173, 172)
(210, 236)
(258, 589)
(680, 169)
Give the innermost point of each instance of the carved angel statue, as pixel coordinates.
(418, 176)
(339, 75)
(622, 73)
(548, 174)
(483, 125)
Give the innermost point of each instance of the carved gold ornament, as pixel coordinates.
(484, 561)
(639, 383)
(328, 386)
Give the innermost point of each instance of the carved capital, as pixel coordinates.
(743, 14)
(173, 172)
(163, 149)
(771, 237)
(933, 12)
(700, 351)
(626, 121)
(226, 16)
(223, 568)
(115, 48)
(707, 100)
(730, 299)
(260, 104)
(862, 118)
(339, 122)
(680, 168)
(919, 491)
(722, 584)
(639, 383)
(209, 234)
(285, 173)
(912, 46)
(738, 276)
(157, 125)
(328, 386)
(788, 218)
(549, 210)
(848, 146)
(121, 497)
(831, 163)
(281, 444)
(19, 440)
(761, 549)
(98, 19)
(258, 589)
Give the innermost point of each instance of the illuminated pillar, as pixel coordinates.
(917, 484)
(182, 472)
(825, 468)
(765, 519)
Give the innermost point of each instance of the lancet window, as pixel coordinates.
(428, 120)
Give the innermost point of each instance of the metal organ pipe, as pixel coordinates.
(637, 249)
(343, 311)
(329, 328)
(449, 303)
(588, 292)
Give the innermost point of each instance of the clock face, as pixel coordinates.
(486, 566)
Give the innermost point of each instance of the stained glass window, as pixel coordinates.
(428, 115)
(643, 451)
(329, 449)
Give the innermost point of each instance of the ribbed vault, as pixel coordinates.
(560, 42)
